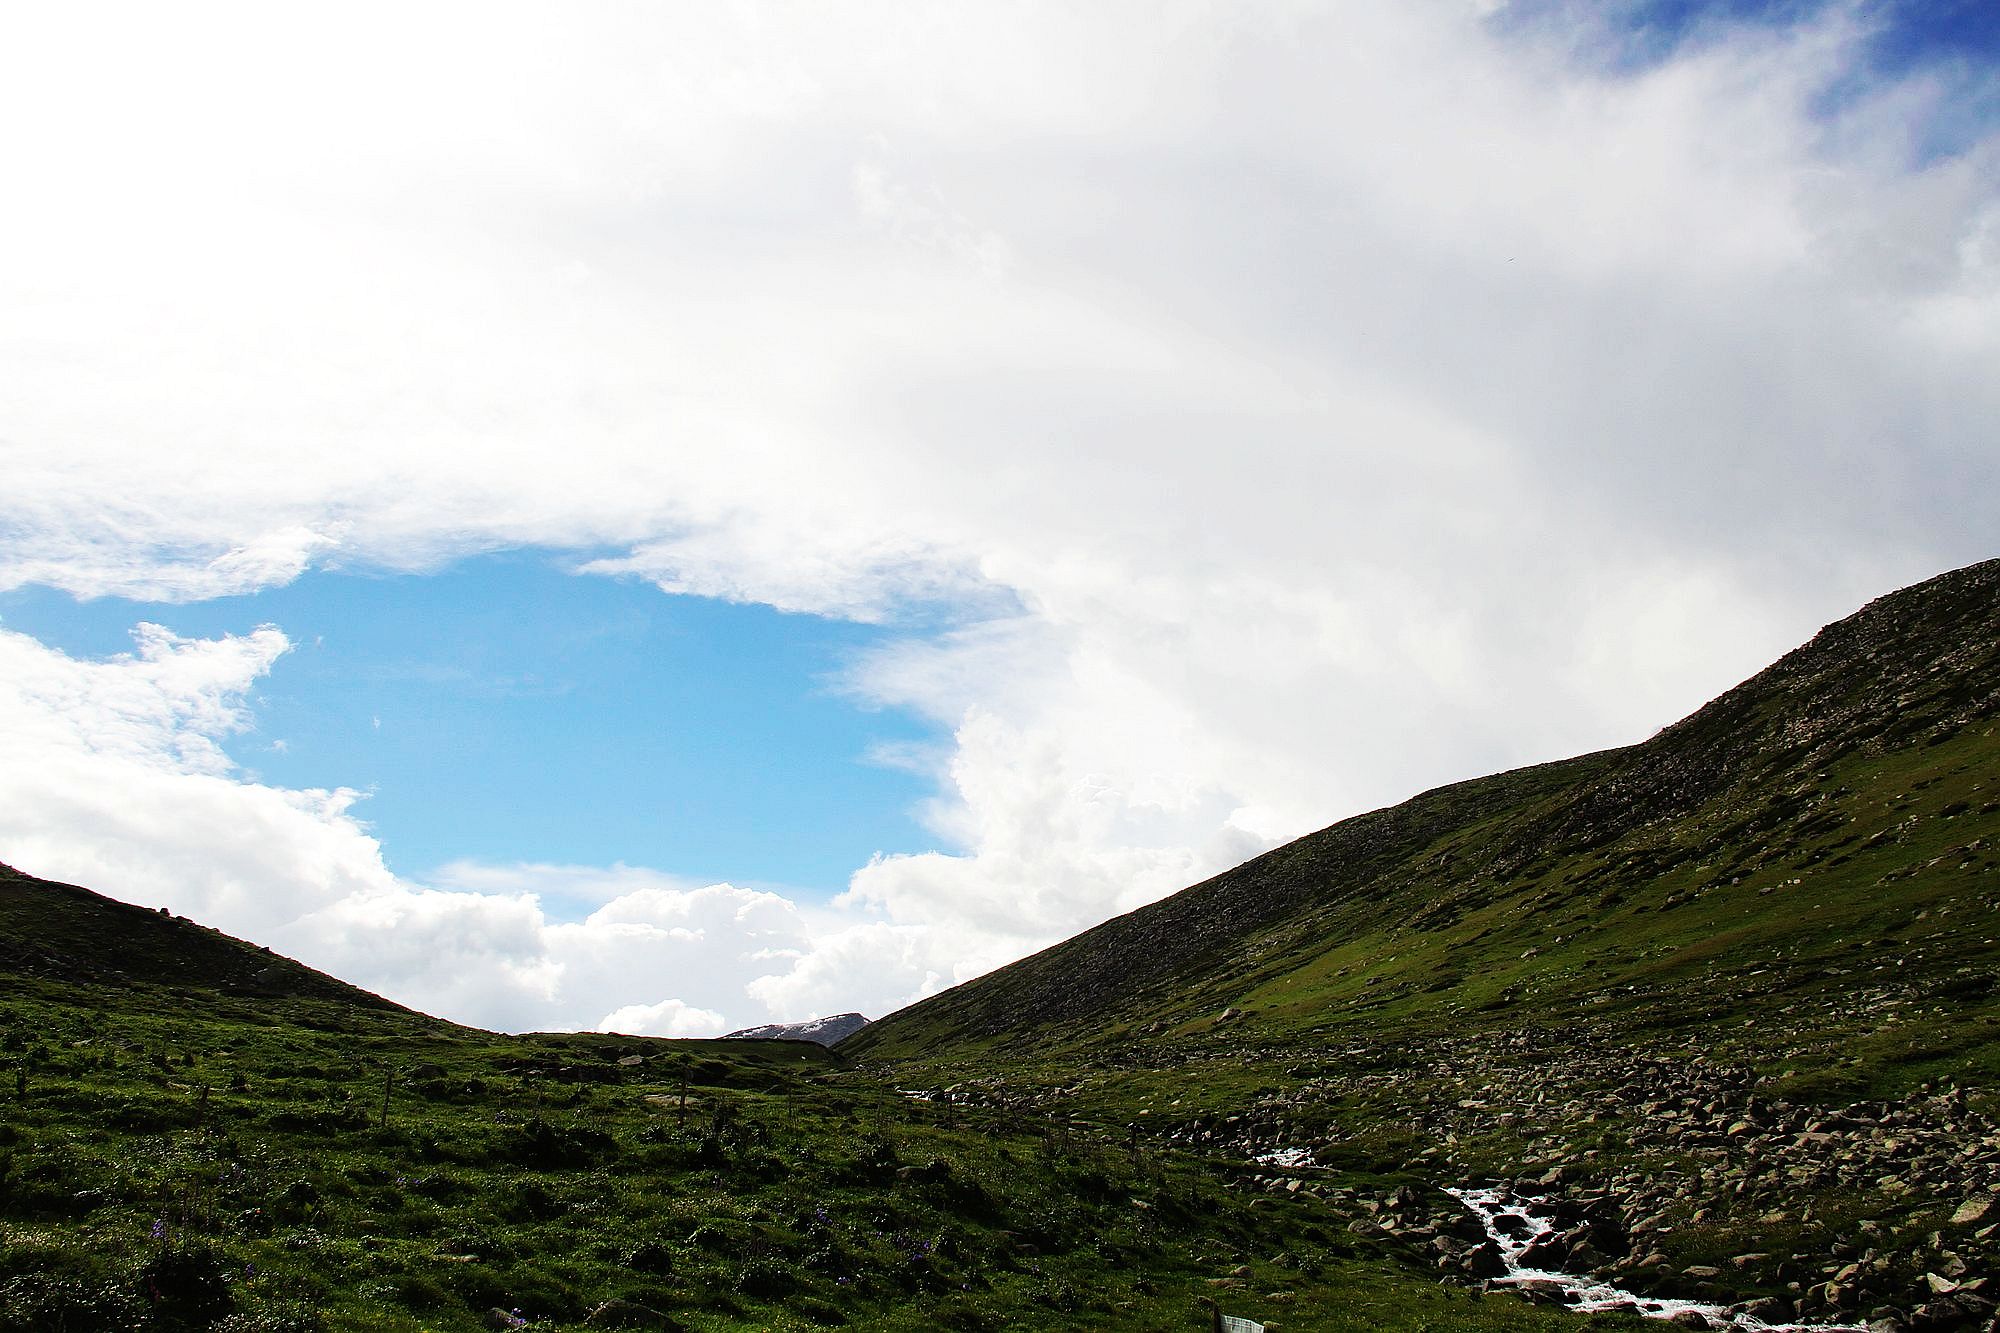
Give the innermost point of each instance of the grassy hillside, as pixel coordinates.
(1829, 821)
(197, 1135)
(64, 935)
(1735, 985)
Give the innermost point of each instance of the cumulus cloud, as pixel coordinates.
(1298, 408)
(115, 776)
(668, 1018)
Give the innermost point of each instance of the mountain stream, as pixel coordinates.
(1513, 1228)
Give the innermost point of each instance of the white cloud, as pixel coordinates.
(116, 777)
(1306, 407)
(871, 968)
(668, 1018)
(588, 886)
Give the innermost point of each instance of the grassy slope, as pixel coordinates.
(1830, 820)
(61, 932)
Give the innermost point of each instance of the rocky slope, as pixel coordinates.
(1646, 1165)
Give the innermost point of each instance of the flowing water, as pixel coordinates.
(1514, 1236)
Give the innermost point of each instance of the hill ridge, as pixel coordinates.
(70, 935)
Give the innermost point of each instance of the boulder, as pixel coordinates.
(1548, 1253)
(1584, 1257)
(1607, 1237)
(1974, 1211)
(1938, 1315)
(1464, 1227)
(1546, 1291)
(1770, 1309)
(1483, 1261)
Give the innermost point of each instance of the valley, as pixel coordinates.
(1716, 1015)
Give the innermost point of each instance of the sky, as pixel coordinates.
(659, 519)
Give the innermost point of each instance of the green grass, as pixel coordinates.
(162, 1167)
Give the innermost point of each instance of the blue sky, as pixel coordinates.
(1902, 32)
(1903, 38)
(506, 709)
(1156, 431)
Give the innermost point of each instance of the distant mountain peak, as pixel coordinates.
(826, 1031)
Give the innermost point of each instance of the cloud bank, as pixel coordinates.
(1294, 410)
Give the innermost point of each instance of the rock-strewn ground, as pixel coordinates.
(1667, 1174)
